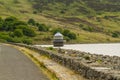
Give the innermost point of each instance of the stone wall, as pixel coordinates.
(78, 66)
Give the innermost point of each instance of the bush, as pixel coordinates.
(27, 41)
(72, 35)
(17, 23)
(43, 27)
(10, 19)
(11, 23)
(69, 34)
(18, 33)
(31, 22)
(34, 12)
(1, 23)
(54, 31)
(50, 48)
(9, 39)
(87, 57)
(29, 32)
(115, 34)
(66, 32)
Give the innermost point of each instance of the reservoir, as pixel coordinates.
(112, 49)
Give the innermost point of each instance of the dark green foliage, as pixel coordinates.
(88, 28)
(31, 22)
(66, 32)
(50, 48)
(72, 35)
(115, 34)
(57, 30)
(17, 23)
(11, 19)
(69, 34)
(16, 1)
(87, 57)
(43, 27)
(10, 24)
(27, 41)
(11, 34)
(29, 32)
(15, 30)
(1, 23)
(18, 33)
(9, 39)
(62, 11)
(34, 12)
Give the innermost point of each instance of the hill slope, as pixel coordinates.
(92, 21)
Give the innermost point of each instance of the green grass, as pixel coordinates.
(24, 11)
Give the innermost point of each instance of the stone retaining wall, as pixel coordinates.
(73, 64)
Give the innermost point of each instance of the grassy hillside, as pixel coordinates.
(91, 21)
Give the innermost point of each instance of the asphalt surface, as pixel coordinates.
(16, 66)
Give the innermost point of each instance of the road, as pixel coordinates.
(16, 66)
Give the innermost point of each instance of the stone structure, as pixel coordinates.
(83, 63)
(58, 40)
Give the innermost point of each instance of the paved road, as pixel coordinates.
(16, 66)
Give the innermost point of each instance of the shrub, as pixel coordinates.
(27, 41)
(31, 22)
(115, 34)
(1, 23)
(9, 39)
(87, 57)
(57, 30)
(66, 32)
(18, 33)
(34, 12)
(29, 32)
(43, 27)
(11, 19)
(69, 34)
(50, 48)
(16, 1)
(17, 23)
(72, 35)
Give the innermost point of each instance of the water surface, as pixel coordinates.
(112, 49)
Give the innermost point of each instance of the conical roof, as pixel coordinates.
(58, 34)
